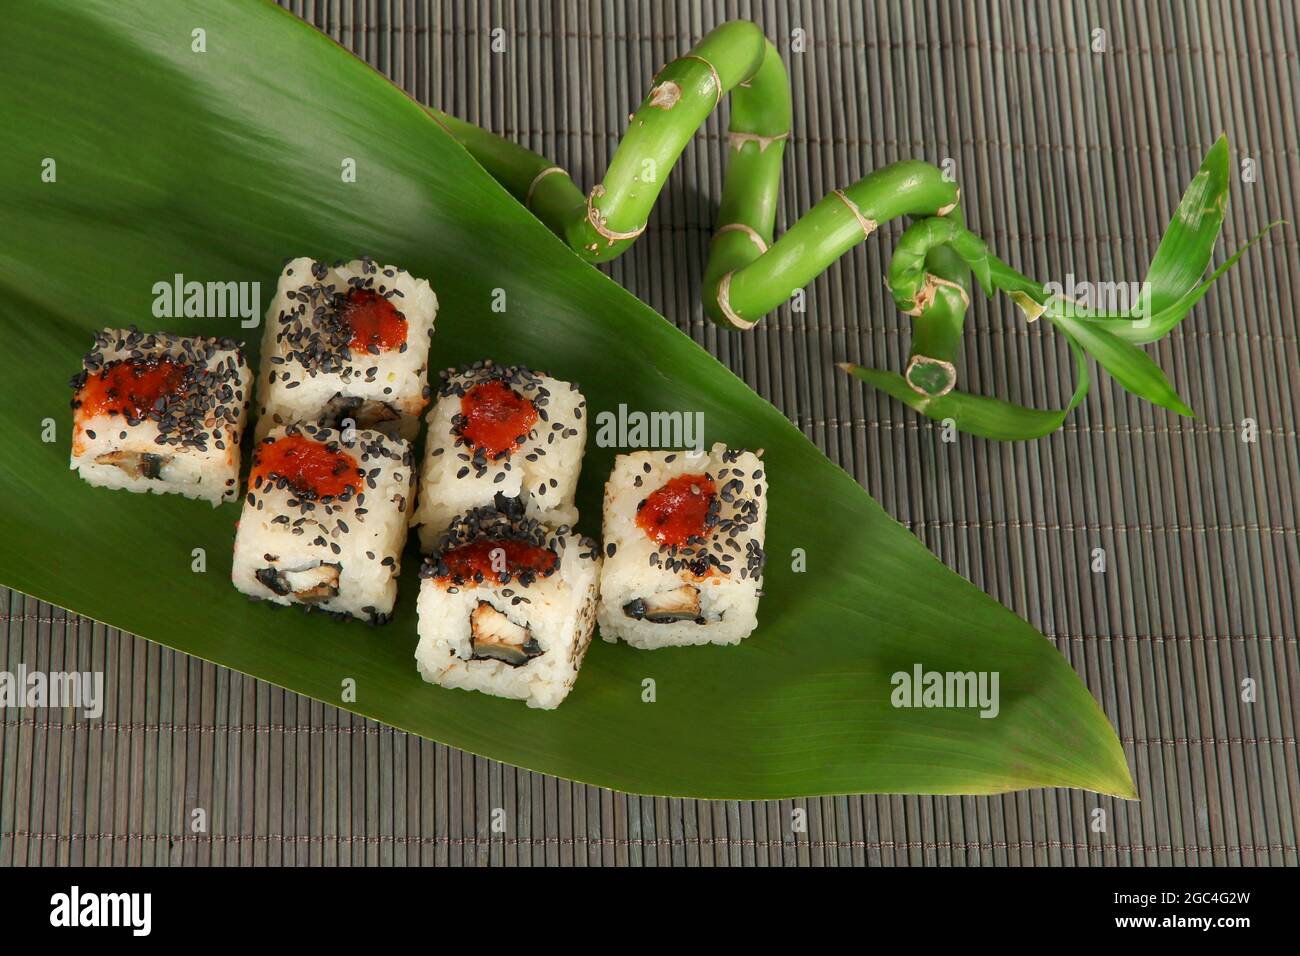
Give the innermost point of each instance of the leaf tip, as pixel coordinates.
(1116, 778)
(1217, 157)
(1125, 791)
(1124, 788)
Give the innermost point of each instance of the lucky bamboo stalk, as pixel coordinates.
(930, 281)
(749, 274)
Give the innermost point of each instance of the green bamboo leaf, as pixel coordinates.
(1188, 243)
(1140, 331)
(980, 415)
(217, 165)
(1125, 362)
(1173, 285)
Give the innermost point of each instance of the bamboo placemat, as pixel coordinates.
(1071, 147)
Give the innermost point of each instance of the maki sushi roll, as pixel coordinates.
(507, 607)
(162, 413)
(683, 548)
(501, 435)
(347, 343)
(324, 521)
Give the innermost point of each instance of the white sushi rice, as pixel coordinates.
(292, 543)
(638, 569)
(541, 473)
(310, 375)
(190, 444)
(558, 612)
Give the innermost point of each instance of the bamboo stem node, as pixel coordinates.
(930, 289)
(713, 71)
(939, 281)
(724, 304)
(868, 225)
(750, 231)
(599, 220)
(737, 140)
(548, 171)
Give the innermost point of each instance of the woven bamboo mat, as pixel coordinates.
(1070, 159)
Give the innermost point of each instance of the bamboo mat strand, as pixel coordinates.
(1070, 160)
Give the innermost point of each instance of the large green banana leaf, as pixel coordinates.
(218, 165)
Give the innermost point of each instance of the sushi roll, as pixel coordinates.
(346, 344)
(498, 435)
(683, 548)
(507, 607)
(162, 413)
(325, 520)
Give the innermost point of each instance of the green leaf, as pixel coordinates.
(1151, 328)
(218, 165)
(1173, 285)
(1126, 363)
(980, 415)
(1184, 252)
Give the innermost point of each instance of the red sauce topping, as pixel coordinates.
(678, 510)
(309, 467)
(496, 416)
(131, 387)
(374, 320)
(465, 562)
